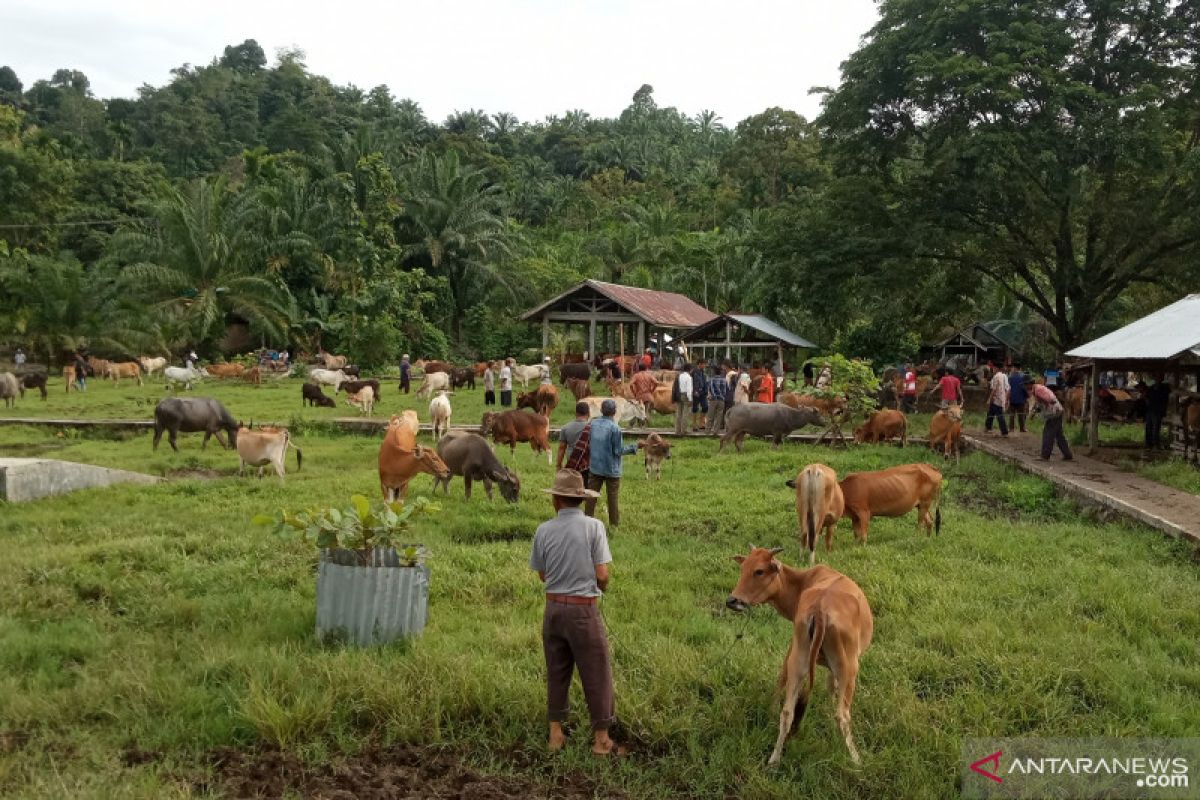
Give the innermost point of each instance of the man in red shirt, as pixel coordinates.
(909, 401)
(647, 359)
(951, 389)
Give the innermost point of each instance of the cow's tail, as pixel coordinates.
(937, 509)
(299, 455)
(816, 637)
(814, 487)
(904, 433)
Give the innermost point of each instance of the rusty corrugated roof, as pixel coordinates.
(663, 309)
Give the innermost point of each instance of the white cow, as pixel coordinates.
(184, 375)
(329, 377)
(152, 365)
(364, 400)
(627, 410)
(439, 414)
(258, 448)
(434, 382)
(531, 373)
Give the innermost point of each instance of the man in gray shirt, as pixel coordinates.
(569, 434)
(571, 556)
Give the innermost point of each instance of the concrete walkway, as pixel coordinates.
(1096, 482)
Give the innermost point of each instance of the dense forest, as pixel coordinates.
(1035, 163)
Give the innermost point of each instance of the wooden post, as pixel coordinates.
(641, 338)
(779, 355)
(728, 339)
(1094, 410)
(545, 334)
(592, 338)
(621, 357)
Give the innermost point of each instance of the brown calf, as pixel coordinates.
(656, 450)
(945, 431)
(882, 426)
(893, 493)
(401, 459)
(543, 400)
(580, 387)
(819, 506)
(831, 625)
(124, 369)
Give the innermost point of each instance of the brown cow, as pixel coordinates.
(1189, 416)
(480, 368)
(828, 406)
(819, 505)
(660, 401)
(124, 369)
(542, 400)
(945, 431)
(832, 626)
(893, 492)
(437, 366)
(98, 366)
(512, 427)
(882, 426)
(233, 370)
(619, 389)
(579, 387)
(1072, 403)
(656, 450)
(401, 459)
(253, 375)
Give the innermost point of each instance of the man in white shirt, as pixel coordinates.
(998, 401)
(506, 383)
(681, 394)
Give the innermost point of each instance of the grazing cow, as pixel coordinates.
(525, 374)
(513, 427)
(826, 406)
(819, 506)
(152, 365)
(882, 426)
(232, 370)
(434, 367)
(329, 377)
(543, 400)
(184, 375)
(34, 380)
(69, 377)
(462, 376)
(124, 369)
(193, 415)
(628, 411)
(401, 458)
(656, 449)
(469, 455)
(1189, 416)
(253, 375)
(433, 382)
(409, 420)
(577, 371)
(480, 368)
(98, 366)
(893, 493)
(331, 362)
(764, 419)
(258, 448)
(619, 389)
(356, 386)
(311, 394)
(579, 387)
(363, 400)
(439, 415)
(831, 626)
(945, 431)
(10, 389)
(351, 371)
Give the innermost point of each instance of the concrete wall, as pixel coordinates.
(24, 479)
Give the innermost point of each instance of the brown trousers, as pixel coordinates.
(574, 636)
(612, 487)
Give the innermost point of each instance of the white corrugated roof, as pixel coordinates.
(1166, 333)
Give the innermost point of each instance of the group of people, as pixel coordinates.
(505, 375)
(1009, 393)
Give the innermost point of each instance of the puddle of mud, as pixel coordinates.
(396, 771)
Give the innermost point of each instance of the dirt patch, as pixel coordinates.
(12, 741)
(974, 492)
(193, 473)
(397, 771)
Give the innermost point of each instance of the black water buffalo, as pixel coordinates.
(581, 371)
(765, 419)
(462, 376)
(311, 394)
(470, 455)
(193, 415)
(35, 380)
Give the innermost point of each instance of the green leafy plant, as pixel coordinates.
(360, 527)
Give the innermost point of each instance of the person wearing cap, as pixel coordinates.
(506, 383)
(606, 449)
(405, 373)
(571, 556)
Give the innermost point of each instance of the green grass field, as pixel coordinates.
(158, 620)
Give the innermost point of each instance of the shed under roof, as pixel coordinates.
(661, 309)
(770, 329)
(1166, 334)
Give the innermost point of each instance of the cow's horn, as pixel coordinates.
(776, 551)
(753, 547)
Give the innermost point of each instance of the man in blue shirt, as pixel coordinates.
(718, 392)
(405, 373)
(1017, 397)
(607, 449)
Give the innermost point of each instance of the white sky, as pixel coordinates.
(528, 57)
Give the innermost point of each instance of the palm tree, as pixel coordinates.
(452, 224)
(205, 260)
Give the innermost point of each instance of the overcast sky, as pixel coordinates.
(529, 57)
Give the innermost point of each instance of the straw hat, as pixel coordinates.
(569, 483)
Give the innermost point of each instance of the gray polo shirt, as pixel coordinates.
(567, 549)
(569, 433)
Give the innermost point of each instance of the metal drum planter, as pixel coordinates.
(370, 600)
